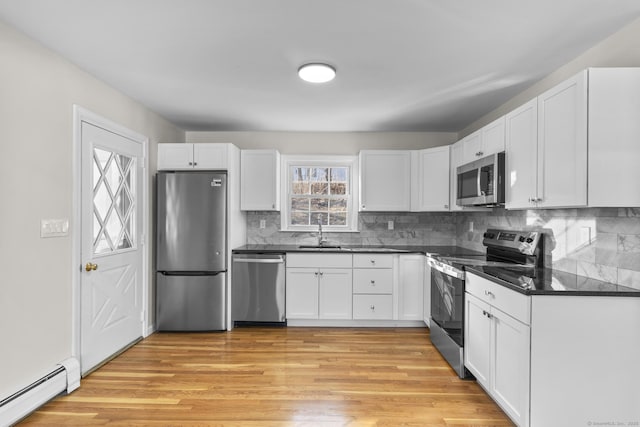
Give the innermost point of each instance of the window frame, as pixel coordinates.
(350, 162)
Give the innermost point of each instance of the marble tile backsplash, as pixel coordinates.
(601, 243)
(409, 229)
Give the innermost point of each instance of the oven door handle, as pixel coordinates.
(446, 269)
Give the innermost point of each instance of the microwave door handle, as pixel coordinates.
(479, 176)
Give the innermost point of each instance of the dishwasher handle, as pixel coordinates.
(279, 259)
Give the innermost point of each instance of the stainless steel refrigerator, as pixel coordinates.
(191, 251)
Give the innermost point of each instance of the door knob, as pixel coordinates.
(90, 267)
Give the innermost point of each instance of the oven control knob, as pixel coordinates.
(488, 235)
(521, 238)
(529, 240)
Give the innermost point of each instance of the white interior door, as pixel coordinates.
(111, 245)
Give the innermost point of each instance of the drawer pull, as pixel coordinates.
(321, 274)
(316, 273)
(373, 282)
(373, 261)
(373, 307)
(489, 293)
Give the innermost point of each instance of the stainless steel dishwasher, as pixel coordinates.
(258, 288)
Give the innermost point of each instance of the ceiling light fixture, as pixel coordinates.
(317, 73)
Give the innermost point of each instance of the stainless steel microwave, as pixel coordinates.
(481, 182)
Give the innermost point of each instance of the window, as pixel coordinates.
(319, 189)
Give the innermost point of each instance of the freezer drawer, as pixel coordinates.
(258, 288)
(190, 303)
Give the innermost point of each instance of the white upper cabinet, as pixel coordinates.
(210, 156)
(192, 156)
(175, 156)
(430, 179)
(562, 144)
(485, 141)
(521, 156)
(472, 147)
(546, 139)
(260, 180)
(385, 180)
(456, 160)
(614, 137)
(493, 137)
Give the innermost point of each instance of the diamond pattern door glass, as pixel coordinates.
(114, 201)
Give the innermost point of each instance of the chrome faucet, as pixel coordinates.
(321, 240)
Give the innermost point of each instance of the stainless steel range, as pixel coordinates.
(512, 250)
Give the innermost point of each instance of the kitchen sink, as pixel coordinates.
(332, 247)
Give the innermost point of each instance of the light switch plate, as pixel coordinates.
(390, 225)
(54, 227)
(263, 223)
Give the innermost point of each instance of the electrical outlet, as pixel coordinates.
(470, 225)
(263, 223)
(390, 225)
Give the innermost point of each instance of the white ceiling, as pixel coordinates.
(403, 65)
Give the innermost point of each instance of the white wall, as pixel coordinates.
(326, 142)
(621, 49)
(37, 91)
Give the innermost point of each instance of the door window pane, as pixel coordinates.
(113, 201)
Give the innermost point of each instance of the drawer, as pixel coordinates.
(373, 307)
(319, 260)
(372, 280)
(372, 261)
(504, 299)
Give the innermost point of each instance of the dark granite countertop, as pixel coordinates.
(551, 282)
(427, 250)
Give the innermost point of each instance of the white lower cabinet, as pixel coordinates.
(411, 287)
(497, 344)
(302, 293)
(373, 287)
(477, 340)
(372, 307)
(426, 294)
(334, 293)
(319, 286)
(356, 288)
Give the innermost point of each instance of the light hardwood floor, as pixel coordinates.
(259, 377)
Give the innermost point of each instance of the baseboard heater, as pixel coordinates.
(64, 378)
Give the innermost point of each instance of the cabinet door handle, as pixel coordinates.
(373, 261)
(479, 153)
(321, 274)
(363, 206)
(446, 206)
(316, 273)
(373, 307)
(486, 313)
(373, 282)
(195, 163)
(190, 163)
